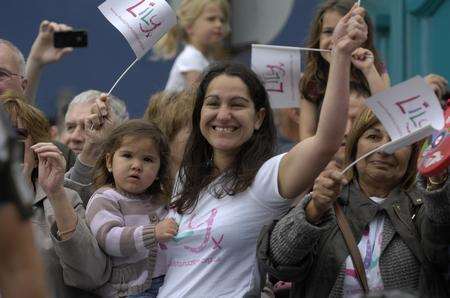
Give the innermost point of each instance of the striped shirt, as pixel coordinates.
(124, 226)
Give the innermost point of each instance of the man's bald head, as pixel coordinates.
(12, 68)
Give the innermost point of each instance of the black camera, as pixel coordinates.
(74, 39)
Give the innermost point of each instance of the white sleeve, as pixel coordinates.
(191, 60)
(265, 186)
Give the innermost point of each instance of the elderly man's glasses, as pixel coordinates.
(6, 75)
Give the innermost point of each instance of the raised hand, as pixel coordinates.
(326, 190)
(351, 31)
(100, 122)
(97, 126)
(51, 167)
(165, 230)
(43, 52)
(363, 59)
(102, 107)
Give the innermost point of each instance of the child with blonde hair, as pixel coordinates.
(125, 213)
(202, 26)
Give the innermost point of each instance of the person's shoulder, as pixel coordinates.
(107, 192)
(190, 52)
(104, 195)
(274, 160)
(270, 166)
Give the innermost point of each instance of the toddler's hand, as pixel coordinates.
(165, 230)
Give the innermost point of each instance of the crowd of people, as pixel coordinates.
(212, 193)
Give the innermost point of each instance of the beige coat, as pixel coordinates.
(76, 265)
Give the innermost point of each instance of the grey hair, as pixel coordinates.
(118, 107)
(18, 53)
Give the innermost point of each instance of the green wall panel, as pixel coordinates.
(413, 36)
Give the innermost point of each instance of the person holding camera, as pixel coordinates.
(72, 258)
(42, 53)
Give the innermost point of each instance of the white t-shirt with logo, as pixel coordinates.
(190, 59)
(214, 252)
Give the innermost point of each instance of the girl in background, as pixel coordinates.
(202, 26)
(368, 74)
(132, 178)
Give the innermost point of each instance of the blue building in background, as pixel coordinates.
(412, 36)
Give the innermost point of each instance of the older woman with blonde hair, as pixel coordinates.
(400, 227)
(72, 259)
(172, 113)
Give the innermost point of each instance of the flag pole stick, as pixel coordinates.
(122, 75)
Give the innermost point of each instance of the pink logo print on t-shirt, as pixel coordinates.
(209, 225)
(217, 242)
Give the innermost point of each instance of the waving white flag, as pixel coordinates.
(409, 111)
(142, 22)
(279, 69)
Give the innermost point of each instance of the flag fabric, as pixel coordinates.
(409, 111)
(280, 69)
(141, 22)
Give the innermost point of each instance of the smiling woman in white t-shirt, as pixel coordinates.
(231, 184)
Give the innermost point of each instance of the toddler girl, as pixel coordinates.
(124, 214)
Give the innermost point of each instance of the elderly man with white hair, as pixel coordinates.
(79, 110)
(90, 115)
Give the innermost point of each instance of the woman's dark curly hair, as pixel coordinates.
(197, 169)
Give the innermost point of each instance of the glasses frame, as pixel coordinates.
(9, 75)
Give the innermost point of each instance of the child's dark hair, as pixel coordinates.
(138, 129)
